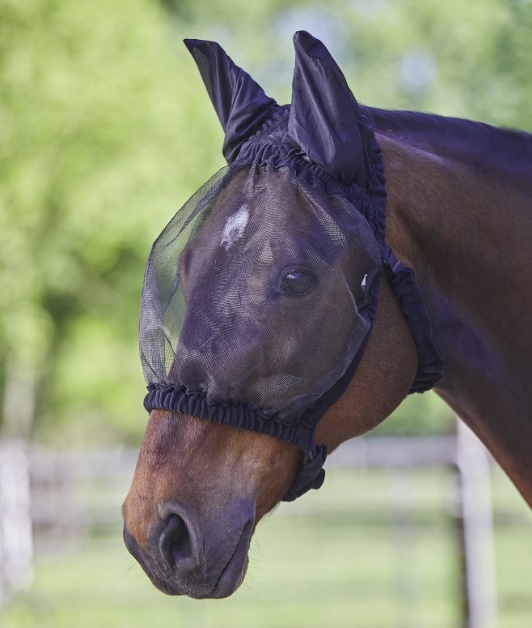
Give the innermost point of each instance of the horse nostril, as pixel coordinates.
(175, 542)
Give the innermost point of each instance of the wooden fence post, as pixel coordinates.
(474, 523)
(16, 543)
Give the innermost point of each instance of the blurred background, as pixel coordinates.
(105, 130)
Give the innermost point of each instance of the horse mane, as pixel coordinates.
(493, 150)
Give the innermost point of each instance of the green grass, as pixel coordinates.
(371, 549)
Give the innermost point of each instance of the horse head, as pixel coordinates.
(258, 302)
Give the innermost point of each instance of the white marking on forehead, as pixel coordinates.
(234, 227)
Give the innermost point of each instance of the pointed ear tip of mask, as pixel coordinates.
(190, 43)
(201, 44)
(303, 39)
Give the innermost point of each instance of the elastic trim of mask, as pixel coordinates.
(166, 396)
(278, 154)
(408, 294)
(271, 146)
(311, 475)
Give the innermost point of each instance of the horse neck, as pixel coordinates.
(467, 236)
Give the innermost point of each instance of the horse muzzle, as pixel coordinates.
(186, 557)
(198, 492)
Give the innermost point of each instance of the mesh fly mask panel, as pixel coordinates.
(240, 288)
(259, 295)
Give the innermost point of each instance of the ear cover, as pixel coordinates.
(325, 119)
(241, 104)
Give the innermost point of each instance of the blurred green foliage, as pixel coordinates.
(105, 129)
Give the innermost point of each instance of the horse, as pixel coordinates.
(459, 213)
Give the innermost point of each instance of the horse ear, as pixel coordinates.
(324, 115)
(241, 104)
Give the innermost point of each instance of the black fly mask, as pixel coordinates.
(260, 294)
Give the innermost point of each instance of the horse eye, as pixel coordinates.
(297, 283)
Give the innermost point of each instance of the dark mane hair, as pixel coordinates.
(492, 149)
